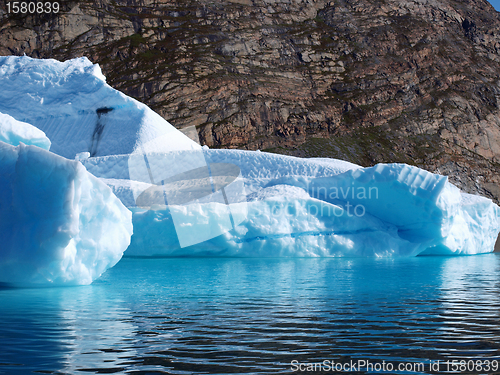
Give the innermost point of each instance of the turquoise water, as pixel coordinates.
(220, 316)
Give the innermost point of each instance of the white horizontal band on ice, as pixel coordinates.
(61, 224)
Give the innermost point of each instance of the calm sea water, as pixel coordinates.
(221, 316)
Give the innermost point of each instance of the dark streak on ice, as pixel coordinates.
(99, 128)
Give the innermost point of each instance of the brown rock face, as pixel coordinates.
(414, 81)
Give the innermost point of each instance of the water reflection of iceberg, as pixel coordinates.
(99, 330)
(65, 330)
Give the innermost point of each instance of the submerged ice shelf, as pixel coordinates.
(68, 226)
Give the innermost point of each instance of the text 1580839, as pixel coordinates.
(32, 7)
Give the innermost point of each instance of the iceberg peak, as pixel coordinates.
(66, 101)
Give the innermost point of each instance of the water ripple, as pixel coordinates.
(228, 316)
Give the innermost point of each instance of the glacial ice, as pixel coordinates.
(59, 225)
(274, 205)
(14, 132)
(79, 112)
(310, 207)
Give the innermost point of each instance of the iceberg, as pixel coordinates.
(188, 200)
(59, 224)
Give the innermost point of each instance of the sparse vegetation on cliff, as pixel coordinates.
(363, 80)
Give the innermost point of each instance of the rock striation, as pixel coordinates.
(368, 81)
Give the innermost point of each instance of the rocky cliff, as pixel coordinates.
(414, 81)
